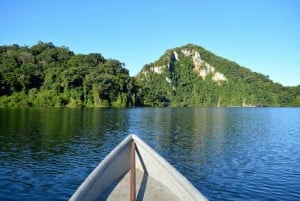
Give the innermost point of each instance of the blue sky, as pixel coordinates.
(263, 35)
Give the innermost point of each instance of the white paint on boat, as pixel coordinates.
(106, 176)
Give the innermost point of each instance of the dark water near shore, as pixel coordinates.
(227, 153)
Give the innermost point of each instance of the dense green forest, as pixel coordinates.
(45, 75)
(192, 76)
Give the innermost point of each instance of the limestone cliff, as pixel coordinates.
(200, 67)
(193, 76)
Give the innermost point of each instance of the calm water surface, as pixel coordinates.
(227, 153)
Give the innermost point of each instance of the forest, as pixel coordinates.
(45, 75)
(192, 76)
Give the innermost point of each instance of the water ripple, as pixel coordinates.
(227, 153)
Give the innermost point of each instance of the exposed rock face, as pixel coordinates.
(201, 67)
(187, 52)
(153, 69)
(217, 77)
(176, 56)
(168, 80)
(197, 59)
(205, 70)
(157, 69)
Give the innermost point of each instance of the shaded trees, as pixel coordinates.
(46, 75)
(178, 82)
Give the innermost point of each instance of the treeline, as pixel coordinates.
(176, 83)
(46, 75)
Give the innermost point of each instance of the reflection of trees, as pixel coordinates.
(208, 132)
(189, 134)
(188, 126)
(47, 131)
(173, 125)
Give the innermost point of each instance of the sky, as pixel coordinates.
(262, 35)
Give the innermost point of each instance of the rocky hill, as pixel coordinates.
(46, 75)
(192, 76)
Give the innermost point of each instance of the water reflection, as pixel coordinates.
(227, 153)
(44, 129)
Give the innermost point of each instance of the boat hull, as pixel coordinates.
(108, 179)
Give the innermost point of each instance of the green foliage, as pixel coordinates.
(179, 85)
(45, 76)
(48, 76)
(15, 100)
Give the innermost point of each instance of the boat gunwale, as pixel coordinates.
(88, 183)
(189, 188)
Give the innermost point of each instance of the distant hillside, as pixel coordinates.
(192, 76)
(45, 75)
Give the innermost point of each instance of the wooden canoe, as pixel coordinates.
(134, 171)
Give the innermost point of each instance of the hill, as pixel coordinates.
(45, 75)
(192, 76)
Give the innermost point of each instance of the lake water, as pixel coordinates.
(227, 153)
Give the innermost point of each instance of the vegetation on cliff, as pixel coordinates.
(193, 76)
(45, 75)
